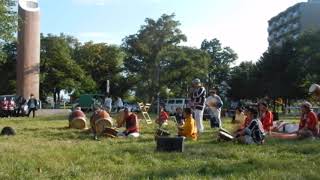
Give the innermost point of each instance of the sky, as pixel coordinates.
(239, 24)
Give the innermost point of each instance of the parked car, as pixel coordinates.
(172, 104)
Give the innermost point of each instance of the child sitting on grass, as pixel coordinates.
(179, 116)
(189, 129)
(253, 133)
(163, 119)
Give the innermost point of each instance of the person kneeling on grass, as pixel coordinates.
(254, 132)
(189, 129)
(131, 124)
(308, 127)
(163, 119)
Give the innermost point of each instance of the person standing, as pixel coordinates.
(32, 105)
(4, 107)
(198, 98)
(118, 104)
(215, 104)
(108, 103)
(20, 103)
(11, 107)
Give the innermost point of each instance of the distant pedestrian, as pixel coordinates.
(118, 104)
(11, 107)
(4, 107)
(198, 98)
(32, 105)
(21, 101)
(108, 103)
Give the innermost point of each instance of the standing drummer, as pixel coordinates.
(198, 98)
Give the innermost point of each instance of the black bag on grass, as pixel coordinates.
(8, 131)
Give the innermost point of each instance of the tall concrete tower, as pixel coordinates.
(28, 58)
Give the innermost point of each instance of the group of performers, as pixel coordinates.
(8, 107)
(252, 124)
(11, 107)
(101, 123)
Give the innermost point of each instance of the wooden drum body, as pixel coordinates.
(78, 120)
(100, 121)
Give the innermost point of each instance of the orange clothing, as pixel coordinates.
(267, 120)
(309, 121)
(189, 129)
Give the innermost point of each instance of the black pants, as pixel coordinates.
(33, 112)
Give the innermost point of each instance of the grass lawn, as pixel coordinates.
(44, 149)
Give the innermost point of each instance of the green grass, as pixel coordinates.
(44, 149)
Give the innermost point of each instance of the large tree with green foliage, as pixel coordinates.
(8, 19)
(143, 52)
(244, 81)
(181, 66)
(8, 69)
(104, 62)
(59, 71)
(221, 60)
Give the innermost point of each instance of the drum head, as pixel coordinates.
(78, 123)
(102, 124)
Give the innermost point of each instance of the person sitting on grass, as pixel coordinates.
(189, 129)
(131, 123)
(239, 116)
(308, 127)
(254, 132)
(245, 123)
(266, 117)
(239, 120)
(179, 116)
(163, 118)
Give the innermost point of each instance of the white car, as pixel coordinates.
(172, 104)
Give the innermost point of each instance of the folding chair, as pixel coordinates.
(144, 110)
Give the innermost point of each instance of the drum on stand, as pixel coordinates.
(78, 120)
(100, 121)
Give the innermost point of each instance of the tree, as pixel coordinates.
(244, 82)
(221, 60)
(8, 19)
(8, 69)
(307, 48)
(59, 71)
(182, 65)
(104, 62)
(143, 50)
